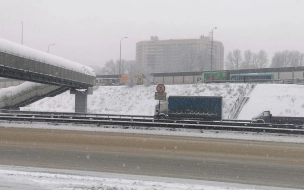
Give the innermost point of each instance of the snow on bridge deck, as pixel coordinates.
(27, 52)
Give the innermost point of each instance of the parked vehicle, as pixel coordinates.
(267, 117)
(137, 79)
(251, 76)
(215, 76)
(199, 107)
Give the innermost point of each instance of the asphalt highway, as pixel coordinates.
(249, 162)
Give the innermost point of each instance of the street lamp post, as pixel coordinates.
(212, 46)
(212, 53)
(119, 70)
(49, 47)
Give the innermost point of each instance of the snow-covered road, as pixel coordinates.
(237, 161)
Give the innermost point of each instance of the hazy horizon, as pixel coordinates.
(89, 32)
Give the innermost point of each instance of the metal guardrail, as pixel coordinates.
(253, 127)
(73, 114)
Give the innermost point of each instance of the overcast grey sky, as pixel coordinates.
(89, 31)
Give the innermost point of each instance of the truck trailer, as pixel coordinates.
(267, 117)
(199, 107)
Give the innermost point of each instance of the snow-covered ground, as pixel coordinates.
(279, 99)
(136, 100)
(20, 178)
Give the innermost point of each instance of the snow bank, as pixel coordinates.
(279, 99)
(14, 177)
(137, 100)
(23, 51)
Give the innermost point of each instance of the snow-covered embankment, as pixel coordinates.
(137, 100)
(279, 99)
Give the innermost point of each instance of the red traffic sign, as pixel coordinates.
(160, 88)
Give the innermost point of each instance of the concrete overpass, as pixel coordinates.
(27, 64)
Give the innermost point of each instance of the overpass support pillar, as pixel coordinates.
(81, 99)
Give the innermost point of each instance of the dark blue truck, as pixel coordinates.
(199, 107)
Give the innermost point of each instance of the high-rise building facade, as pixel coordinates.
(180, 55)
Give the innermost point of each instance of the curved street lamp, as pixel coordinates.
(49, 47)
(119, 70)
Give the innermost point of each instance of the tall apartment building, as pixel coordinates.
(180, 55)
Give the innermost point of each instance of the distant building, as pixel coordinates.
(179, 55)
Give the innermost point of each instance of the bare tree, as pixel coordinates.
(301, 59)
(111, 68)
(248, 58)
(295, 58)
(230, 61)
(234, 59)
(260, 59)
(287, 59)
(147, 78)
(131, 75)
(127, 66)
(137, 74)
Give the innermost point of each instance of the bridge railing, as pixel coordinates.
(28, 64)
(11, 96)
